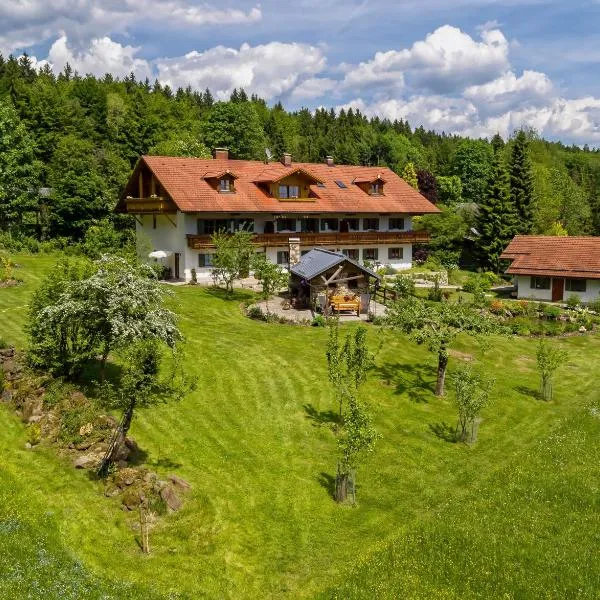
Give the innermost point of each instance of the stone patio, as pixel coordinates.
(303, 315)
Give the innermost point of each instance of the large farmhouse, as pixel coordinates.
(553, 268)
(364, 212)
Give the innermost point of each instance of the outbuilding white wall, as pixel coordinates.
(525, 290)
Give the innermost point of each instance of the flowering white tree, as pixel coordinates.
(118, 304)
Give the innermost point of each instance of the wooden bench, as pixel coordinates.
(339, 303)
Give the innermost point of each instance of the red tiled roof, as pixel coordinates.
(368, 179)
(551, 256)
(217, 174)
(182, 178)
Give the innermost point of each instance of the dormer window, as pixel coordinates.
(370, 185)
(221, 181)
(289, 191)
(375, 188)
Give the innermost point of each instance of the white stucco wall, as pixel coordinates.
(170, 235)
(525, 291)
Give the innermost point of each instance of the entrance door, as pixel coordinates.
(558, 288)
(344, 226)
(177, 257)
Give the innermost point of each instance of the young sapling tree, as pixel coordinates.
(549, 359)
(271, 277)
(472, 395)
(233, 254)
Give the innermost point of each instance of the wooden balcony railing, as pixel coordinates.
(151, 205)
(353, 238)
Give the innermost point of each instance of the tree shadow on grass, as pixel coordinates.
(530, 392)
(163, 463)
(138, 456)
(444, 431)
(412, 380)
(320, 417)
(327, 482)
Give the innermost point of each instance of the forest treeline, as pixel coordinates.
(68, 144)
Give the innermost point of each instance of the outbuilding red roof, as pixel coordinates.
(184, 180)
(553, 256)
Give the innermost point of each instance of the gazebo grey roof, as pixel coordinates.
(319, 260)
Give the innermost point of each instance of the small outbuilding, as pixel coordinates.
(326, 280)
(554, 268)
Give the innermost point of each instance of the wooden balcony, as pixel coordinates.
(149, 206)
(354, 238)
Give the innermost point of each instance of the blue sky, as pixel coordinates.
(468, 66)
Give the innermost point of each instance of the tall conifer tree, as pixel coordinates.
(521, 182)
(497, 222)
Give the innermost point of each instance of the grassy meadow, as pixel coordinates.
(517, 515)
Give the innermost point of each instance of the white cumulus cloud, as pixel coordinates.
(447, 60)
(24, 23)
(268, 70)
(103, 56)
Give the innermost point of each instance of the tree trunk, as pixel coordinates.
(128, 417)
(103, 360)
(441, 372)
(341, 487)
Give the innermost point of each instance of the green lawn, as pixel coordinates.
(515, 516)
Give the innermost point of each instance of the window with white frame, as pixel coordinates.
(283, 257)
(289, 191)
(286, 224)
(351, 253)
(540, 283)
(206, 260)
(575, 285)
(371, 224)
(225, 185)
(375, 188)
(395, 253)
(329, 224)
(396, 223)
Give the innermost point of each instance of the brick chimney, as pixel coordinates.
(286, 159)
(221, 153)
(294, 251)
(329, 161)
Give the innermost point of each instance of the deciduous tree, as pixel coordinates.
(437, 327)
(115, 305)
(233, 254)
(410, 176)
(271, 276)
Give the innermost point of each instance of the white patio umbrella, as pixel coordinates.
(160, 254)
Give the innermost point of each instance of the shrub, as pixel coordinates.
(490, 278)
(550, 311)
(477, 283)
(573, 301)
(447, 258)
(255, 312)
(497, 307)
(404, 286)
(34, 434)
(73, 419)
(594, 305)
(319, 321)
